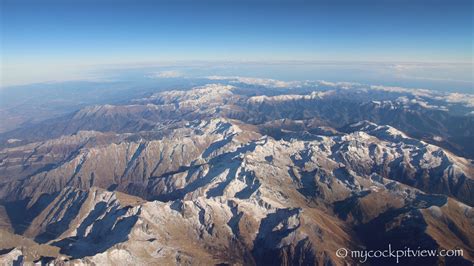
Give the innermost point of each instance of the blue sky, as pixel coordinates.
(43, 38)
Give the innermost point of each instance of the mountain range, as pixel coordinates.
(243, 171)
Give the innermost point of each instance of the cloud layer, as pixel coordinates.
(166, 74)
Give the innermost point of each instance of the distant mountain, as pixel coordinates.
(446, 120)
(243, 172)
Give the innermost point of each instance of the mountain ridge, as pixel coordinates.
(216, 186)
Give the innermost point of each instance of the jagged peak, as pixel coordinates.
(206, 91)
(290, 97)
(380, 131)
(218, 125)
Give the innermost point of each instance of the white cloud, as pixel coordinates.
(417, 92)
(166, 74)
(258, 81)
(466, 99)
(432, 71)
(327, 83)
(455, 97)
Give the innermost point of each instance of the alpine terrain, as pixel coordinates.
(243, 171)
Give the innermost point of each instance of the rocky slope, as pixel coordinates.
(219, 175)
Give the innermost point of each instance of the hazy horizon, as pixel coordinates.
(434, 76)
(414, 43)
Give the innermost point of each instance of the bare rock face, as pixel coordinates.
(187, 177)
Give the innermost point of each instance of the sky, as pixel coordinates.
(69, 39)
